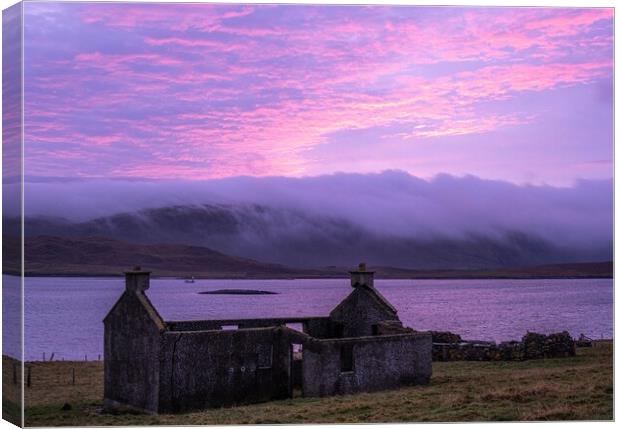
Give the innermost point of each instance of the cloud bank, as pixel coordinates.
(390, 204)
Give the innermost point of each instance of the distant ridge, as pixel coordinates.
(49, 255)
(100, 256)
(602, 269)
(297, 238)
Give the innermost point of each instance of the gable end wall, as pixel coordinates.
(359, 312)
(131, 356)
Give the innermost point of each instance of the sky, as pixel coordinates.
(199, 91)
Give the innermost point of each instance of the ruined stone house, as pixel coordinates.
(172, 366)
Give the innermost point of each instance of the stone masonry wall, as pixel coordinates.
(221, 368)
(131, 349)
(378, 363)
(358, 313)
(532, 346)
(207, 325)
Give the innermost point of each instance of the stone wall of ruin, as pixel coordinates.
(206, 369)
(131, 356)
(532, 346)
(378, 363)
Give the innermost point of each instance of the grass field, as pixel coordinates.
(579, 388)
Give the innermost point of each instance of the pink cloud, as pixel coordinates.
(570, 22)
(473, 125)
(205, 17)
(107, 61)
(193, 43)
(215, 86)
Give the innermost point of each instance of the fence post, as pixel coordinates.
(28, 379)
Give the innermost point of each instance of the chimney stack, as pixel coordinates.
(361, 277)
(137, 280)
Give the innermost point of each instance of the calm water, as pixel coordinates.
(64, 315)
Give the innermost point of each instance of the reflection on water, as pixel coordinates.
(64, 315)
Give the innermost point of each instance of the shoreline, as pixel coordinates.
(326, 277)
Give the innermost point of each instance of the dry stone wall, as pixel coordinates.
(449, 347)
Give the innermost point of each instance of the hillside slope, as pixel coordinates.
(297, 238)
(49, 255)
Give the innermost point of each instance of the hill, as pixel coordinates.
(89, 256)
(48, 255)
(570, 270)
(299, 238)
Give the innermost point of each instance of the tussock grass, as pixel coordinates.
(579, 388)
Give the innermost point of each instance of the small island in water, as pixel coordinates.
(237, 292)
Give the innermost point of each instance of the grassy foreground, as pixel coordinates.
(579, 388)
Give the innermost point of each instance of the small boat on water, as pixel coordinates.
(190, 280)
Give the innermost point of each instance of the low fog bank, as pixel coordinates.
(391, 218)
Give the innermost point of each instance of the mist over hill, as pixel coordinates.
(391, 218)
